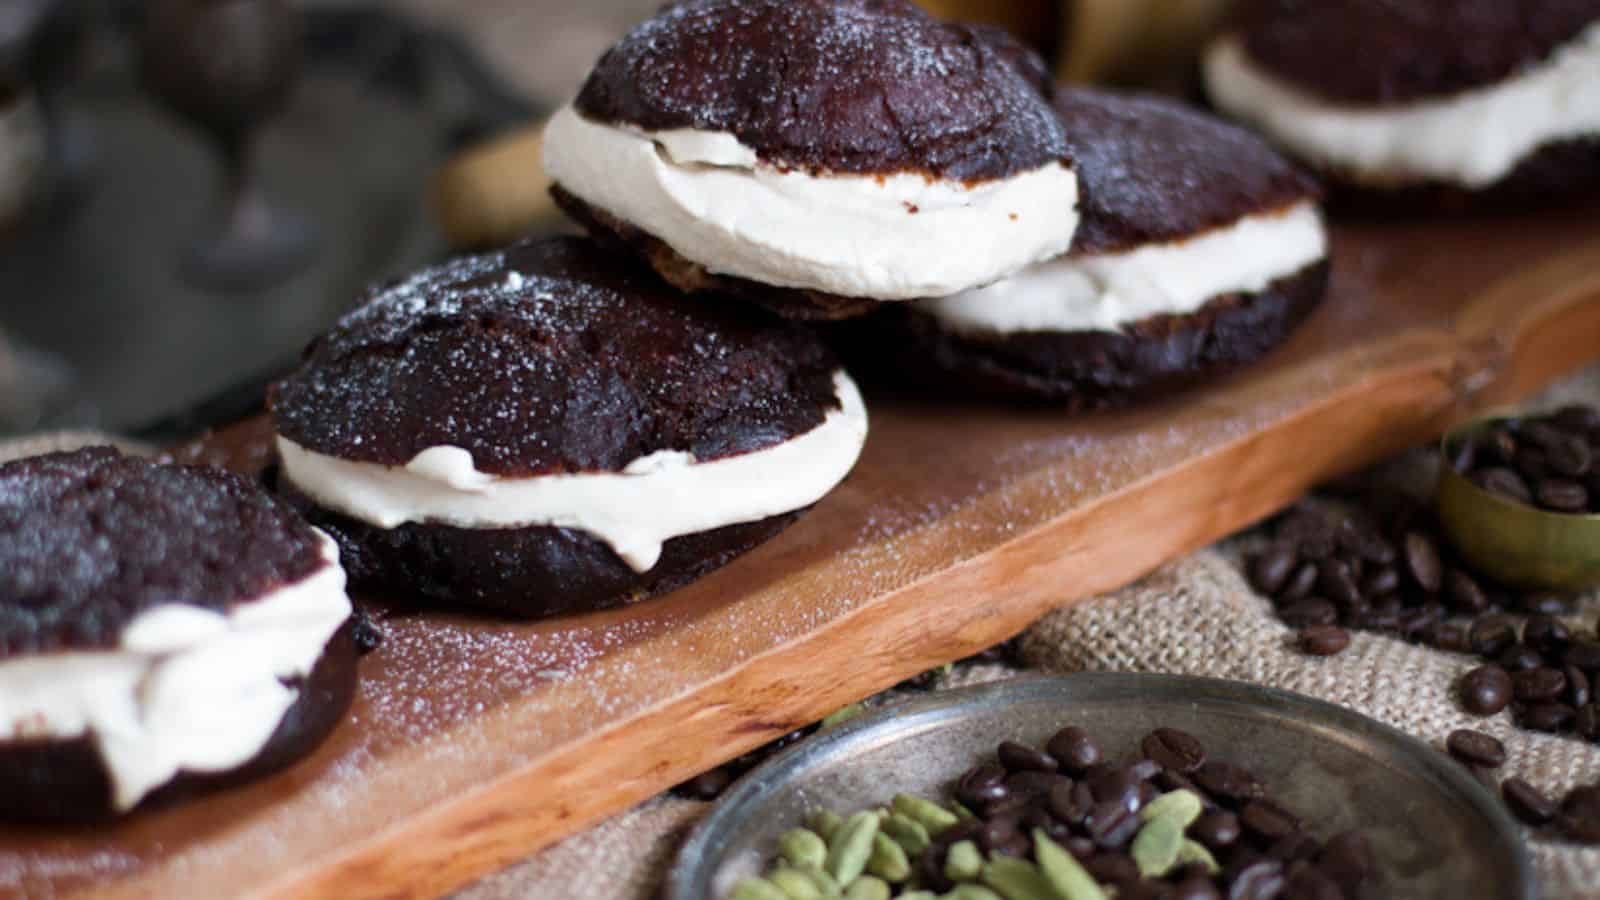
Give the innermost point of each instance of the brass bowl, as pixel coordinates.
(1517, 545)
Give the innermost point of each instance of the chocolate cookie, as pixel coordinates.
(553, 430)
(1451, 100)
(163, 630)
(1200, 250)
(817, 156)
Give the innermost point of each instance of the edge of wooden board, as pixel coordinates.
(1501, 346)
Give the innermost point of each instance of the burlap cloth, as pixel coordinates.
(1194, 616)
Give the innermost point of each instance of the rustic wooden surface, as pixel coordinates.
(474, 742)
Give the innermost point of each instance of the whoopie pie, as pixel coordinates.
(1200, 249)
(551, 429)
(820, 157)
(164, 630)
(1470, 101)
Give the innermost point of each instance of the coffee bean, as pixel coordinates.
(1267, 819)
(1580, 814)
(1547, 634)
(1450, 637)
(1308, 611)
(1300, 583)
(1577, 693)
(1531, 463)
(982, 785)
(1335, 582)
(1022, 758)
(1545, 716)
(1539, 432)
(1520, 658)
(1587, 721)
(1491, 634)
(1576, 418)
(1476, 748)
(1031, 783)
(1112, 868)
(1415, 622)
(1073, 750)
(1499, 445)
(1195, 887)
(1560, 495)
(1227, 781)
(1486, 690)
(1080, 847)
(1464, 456)
(1143, 768)
(1422, 561)
(1173, 749)
(707, 785)
(1503, 483)
(1569, 455)
(1381, 580)
(1463, 593)
(1347, 858)
(1296, 845)
(1262, 879)
(1216, 829)
(1270, 570)
(1071, 804)
(1111, 824)
(1118, 786)
(1324, 640)
(1583, 654)
(997, 832)
(1308, 883)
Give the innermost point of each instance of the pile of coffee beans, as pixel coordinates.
(1575, 818)
(1065, 822)
(1544, 461)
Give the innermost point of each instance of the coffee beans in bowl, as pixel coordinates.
(1520, 497)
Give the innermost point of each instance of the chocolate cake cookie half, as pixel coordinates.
(1200, 249)
(1469, 102)
(819, 157)
(551, 429)
(164, 630)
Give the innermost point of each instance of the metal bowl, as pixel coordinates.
(1517, 545)
(1437, 831)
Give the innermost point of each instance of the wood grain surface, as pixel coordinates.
(474, 742)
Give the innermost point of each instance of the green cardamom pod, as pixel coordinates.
(888, 861)
(918, 895)
(757, 889)
(803, 847)
(971, 892)
(1015, 879)
(927, 813)
(1066, 876)
(1182, 805)
(1191, 852)
(1155, 848)
(841, 716)
(795, 884)
(824, 822)
(908, 833)
(964, 862)
(824, 882)
(851, 847)
(868, 888)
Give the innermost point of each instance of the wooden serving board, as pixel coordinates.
(474, 742)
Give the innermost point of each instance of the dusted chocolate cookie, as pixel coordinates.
(162, 629)
(1456, 96)
(551, 429)
(1200, 250)
(818, 155)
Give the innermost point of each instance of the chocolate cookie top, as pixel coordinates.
(1151, 170)
(551, 357)
(858, 86)
(90, 539)
(1368, 52)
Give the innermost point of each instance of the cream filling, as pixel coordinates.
(1103, 292)
(893, 237)
(655, 498)
(1473, 138)
(187, 689)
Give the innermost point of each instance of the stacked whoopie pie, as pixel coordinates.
(1466, 101)
(834, 158)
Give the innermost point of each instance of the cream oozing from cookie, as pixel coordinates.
(1472, 138)
(187, 689)
(653, 499)
(890, 237)
(1102, 292)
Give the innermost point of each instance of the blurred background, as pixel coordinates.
(190, 190)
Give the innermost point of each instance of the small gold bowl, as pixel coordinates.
(1519, 546)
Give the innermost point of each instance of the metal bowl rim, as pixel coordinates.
(693, 869)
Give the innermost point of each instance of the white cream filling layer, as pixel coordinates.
(187, 690)
(655, 498)
(1103, 292)
(1473, 138)
(896, 237)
